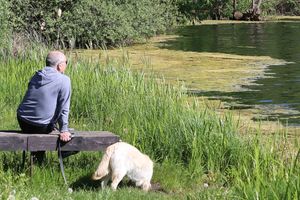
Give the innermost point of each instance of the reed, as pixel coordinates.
(192, 145)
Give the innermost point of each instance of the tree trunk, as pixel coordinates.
(252, 14)
(256, 10)
(259, 3)
(234, 8)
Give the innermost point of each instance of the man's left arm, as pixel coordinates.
(64, 105)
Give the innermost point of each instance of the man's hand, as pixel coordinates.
(65, 136)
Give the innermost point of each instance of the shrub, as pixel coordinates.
(290, 7)
(5, 35)
(92, 23)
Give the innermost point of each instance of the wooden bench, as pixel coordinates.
(81, 141)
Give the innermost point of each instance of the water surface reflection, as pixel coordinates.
(279, 92)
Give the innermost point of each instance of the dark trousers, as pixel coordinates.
(38, 129)
(38, 156)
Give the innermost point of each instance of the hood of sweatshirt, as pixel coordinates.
(45, 76)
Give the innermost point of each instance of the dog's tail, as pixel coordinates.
(103, 168)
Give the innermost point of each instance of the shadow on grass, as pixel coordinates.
(86, 183)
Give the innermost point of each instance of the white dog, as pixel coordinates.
(122, 159)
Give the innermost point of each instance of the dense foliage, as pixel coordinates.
(291, 7)
(216, 9)
(4, 26)
(92, 23)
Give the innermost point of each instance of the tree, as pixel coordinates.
(234, 8)
(256, 9)
(252, 14)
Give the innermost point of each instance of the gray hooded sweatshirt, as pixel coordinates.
(47, 99)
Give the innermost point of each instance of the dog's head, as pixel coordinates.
(146, 186)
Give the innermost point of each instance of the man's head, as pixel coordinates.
(57, 60)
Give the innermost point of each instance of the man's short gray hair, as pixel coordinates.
(54, 58)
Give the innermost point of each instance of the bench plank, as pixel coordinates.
(12, 141)
(90, 141)
(42, 142)
(81, 141)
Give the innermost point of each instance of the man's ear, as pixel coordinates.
(58, 67)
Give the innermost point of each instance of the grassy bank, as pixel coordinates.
(199, 154)
(269, 18)
(193, 70)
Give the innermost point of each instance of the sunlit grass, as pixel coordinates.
(199, 154)
(194, 69)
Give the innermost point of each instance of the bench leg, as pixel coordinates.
(31, 163)
(23, 159)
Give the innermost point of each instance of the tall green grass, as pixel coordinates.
(191, 144)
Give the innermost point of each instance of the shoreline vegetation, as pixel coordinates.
(270, 18)
(200, 151)
(230, 70)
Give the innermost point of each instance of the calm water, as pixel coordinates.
(278, 96)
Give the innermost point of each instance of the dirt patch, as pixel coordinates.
(156, 187)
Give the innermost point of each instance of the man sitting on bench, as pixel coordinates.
(47, 100)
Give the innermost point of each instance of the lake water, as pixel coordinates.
(278, 94)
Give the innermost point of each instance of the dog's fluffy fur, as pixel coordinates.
(122, 159)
